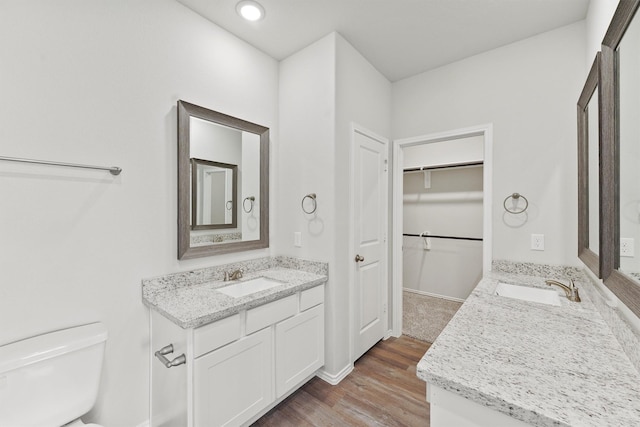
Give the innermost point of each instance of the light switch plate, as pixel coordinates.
(297, 239)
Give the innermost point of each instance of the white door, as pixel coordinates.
(370, 205)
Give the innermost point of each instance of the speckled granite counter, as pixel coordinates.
(191, 299)
(542, 364)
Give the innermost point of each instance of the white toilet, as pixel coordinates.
(51, 380)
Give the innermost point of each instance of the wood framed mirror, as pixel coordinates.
(237, 151)
(620, 83)
(589, 178)
(214, 195)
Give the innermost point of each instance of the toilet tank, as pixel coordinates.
(51, 379)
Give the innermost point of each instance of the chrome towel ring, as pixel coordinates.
(515, 197)
(314, 202)
(251, 199)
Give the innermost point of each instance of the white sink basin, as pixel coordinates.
(525, 293)
(247, 287)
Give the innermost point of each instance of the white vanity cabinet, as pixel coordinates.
(238, 367)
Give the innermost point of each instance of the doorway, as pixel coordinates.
(454, 156)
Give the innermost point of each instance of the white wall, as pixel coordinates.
(97, 83)
(306, 152)
(529, 91)
(597, 21)
(323, 88)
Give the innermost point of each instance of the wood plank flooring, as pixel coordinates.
(382, 390)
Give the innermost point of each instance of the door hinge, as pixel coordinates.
(384, 308)
(385, 166)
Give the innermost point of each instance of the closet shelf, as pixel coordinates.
(478, 239)
(447, 166)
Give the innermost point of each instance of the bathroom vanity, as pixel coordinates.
(239, 347)
(509, 361)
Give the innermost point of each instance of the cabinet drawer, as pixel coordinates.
(311, 297)
(273, 312)
(215, 335)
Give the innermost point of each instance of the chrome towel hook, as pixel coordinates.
(314, 203)
(251, 199)
(515, 197)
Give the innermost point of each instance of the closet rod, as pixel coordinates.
(113, 170)
(449, 166)
(478, 239)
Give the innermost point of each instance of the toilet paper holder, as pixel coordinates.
(168, 349)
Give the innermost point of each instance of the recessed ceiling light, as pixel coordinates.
(250, 10)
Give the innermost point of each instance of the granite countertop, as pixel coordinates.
(193, 305)
(541, 364)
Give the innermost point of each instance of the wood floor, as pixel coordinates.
(382, 390)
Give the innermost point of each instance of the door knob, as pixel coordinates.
(359, 258)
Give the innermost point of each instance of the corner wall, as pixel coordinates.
(528, 90)
(97, 83)
(323, 89)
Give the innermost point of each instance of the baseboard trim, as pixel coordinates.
(334, 379)
(390, 334)
(429, 294)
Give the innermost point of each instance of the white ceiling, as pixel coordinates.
(400, 38)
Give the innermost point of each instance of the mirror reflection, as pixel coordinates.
(594, 178)
(628, 59)
(213, 194)
(589, 213)
(222, 163)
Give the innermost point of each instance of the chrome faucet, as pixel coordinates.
(234, 275)
(571, 291)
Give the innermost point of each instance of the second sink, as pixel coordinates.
(246, 287)
(526, 293)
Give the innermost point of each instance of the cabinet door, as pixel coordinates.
(299, 348)
(234, 383)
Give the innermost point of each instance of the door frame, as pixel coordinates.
(486, 131)
(355, 128)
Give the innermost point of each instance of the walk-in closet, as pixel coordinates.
(442, 231)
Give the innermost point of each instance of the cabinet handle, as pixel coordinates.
(359, 258)
(168, 349)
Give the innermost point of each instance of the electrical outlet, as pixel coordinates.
(537, 242)
(627, 247)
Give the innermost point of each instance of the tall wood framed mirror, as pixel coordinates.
(589, 179)
(222, 161)
(621, 153)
